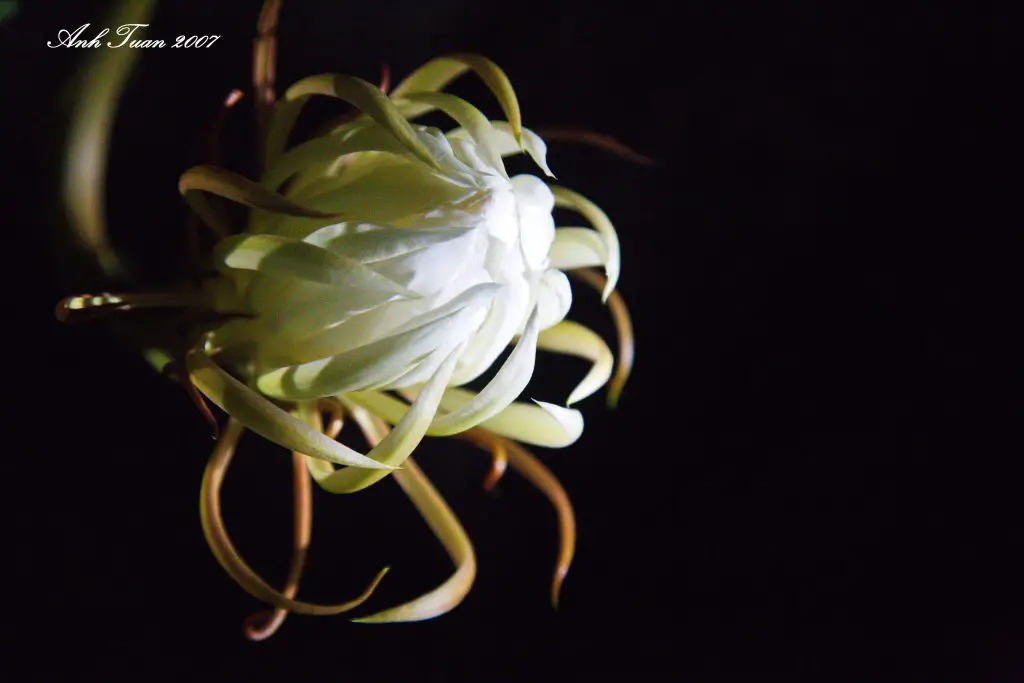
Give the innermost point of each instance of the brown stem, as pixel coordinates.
(262, 625)
(499, 462)
(337, 412)
(594, 139)
(179, 370)
(527, 465)
(224, 550)
(264, 66)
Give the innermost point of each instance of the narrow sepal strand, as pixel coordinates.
(224, 550)
(445, 525)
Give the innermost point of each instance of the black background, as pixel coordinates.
(808, 476)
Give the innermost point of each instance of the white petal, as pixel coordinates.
(273, 255)
(388, 191)
(507, 384)
(368, 243)
(543, 424)
(428, 271)
(371, 326)
(577, 248)
(380, 362)
(554, 298)
(510, 307)
(505, 144)
(534, 203)
(470, 118)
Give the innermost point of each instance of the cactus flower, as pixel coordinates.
(384, 265)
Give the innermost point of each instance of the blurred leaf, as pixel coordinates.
(8, 8)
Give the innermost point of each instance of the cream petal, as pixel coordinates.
(390, 191)
(543, 424)
(436, 74)
(577, 248)
(599, 219)
(329, 147)
(574, 339)
(273, 255)
(368, 99)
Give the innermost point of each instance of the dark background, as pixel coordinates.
(809, 475)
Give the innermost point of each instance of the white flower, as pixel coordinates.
(397, 257)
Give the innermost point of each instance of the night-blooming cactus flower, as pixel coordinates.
(402, 257)
(383, 266)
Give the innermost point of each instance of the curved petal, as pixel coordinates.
(507, 384)
(328, 148)
(263, 417)
(575, 339)
(543, 424)
(446, 527)
(554, 297)
(220, 543)
(568, 199)
(469, 117)
(238, 189)
(385, 190)
(534, 204)
(368, 99)
(400, 442)
(506, 145)
(577, 248)
(438, 73)
(368, 243)
(296, 346)
(281, 256)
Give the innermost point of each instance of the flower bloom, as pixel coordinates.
(440, 262)
(383, 266)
